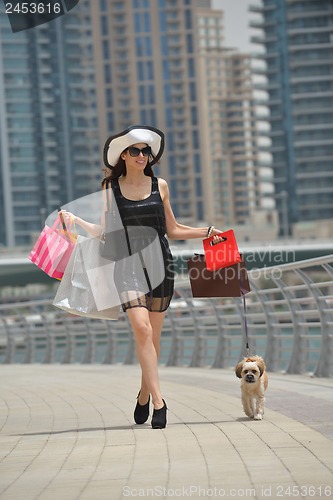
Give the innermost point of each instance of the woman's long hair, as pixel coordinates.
(120, 169)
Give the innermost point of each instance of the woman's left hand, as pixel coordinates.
(218, 238)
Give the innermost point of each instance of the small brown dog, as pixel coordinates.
(252, 371)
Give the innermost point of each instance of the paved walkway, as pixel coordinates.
(67, 433)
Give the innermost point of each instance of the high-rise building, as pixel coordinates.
(147, 73)
(230, 116)
(164, 63)
(298, 39)
(49, 150)
(67, 85)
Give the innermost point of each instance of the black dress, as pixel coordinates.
(136, 283)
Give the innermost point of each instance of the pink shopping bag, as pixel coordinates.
(53, 249)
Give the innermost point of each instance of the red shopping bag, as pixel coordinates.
(222, 254)
(53, 249)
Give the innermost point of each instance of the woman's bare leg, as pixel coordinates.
(156, 321)
(140, 320)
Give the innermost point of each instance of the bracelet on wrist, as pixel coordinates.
(210, 231)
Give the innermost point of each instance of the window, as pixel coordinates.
(194, 116)
(104, 25)
(200, 211)
(142, 22)
(106, 51)
(109, 100)
(195, 139)
(103, 5)
(137, 4)
(165, 65)
(142, 95)
(167, 93)
(150, 70)
(191, 70)
(189, 43)
(169, 117)
(140, 70)
(197, 163)
(164, 45)
(170, 141)
(151, 94)
(110, 121)
(188, 19)
(107, 73)
(193, 93)
(198, 187)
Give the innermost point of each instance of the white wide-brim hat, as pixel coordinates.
(116, 144)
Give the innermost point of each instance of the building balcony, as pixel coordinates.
(271, 149)
(44, 55)
(264, 56)
(309, 62)
(261, 8)
(302, 14)
(262, 24)
(313, 29)
(264, 163)
(259, 71)
(313, 142)
(308, 46)
(261, 40)
(47, 100)
(312, 78)
(271, 133)
(311, 95)
(307, 159)
(274, 118)
(269, 102)
(261, 102)
(310, 126)
(266, 86)
(305, 110)
(175, 43)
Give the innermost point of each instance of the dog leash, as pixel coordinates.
(245, 327)
(243, 291)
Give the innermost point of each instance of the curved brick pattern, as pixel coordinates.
(67, 432)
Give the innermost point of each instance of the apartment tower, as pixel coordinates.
(228, 111)
(146, 71)
(297, 36)
(49, 150)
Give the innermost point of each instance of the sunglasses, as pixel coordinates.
(133, 151)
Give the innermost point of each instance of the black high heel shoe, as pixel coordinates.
(159, 419)
(141, 412)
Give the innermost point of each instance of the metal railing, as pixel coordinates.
(289, 317)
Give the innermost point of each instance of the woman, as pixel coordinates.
(143, 200)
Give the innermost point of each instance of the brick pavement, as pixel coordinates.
(67, 433)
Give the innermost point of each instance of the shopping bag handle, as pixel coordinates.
(62, 220)
(213, 243)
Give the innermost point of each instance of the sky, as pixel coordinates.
(236, 23)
